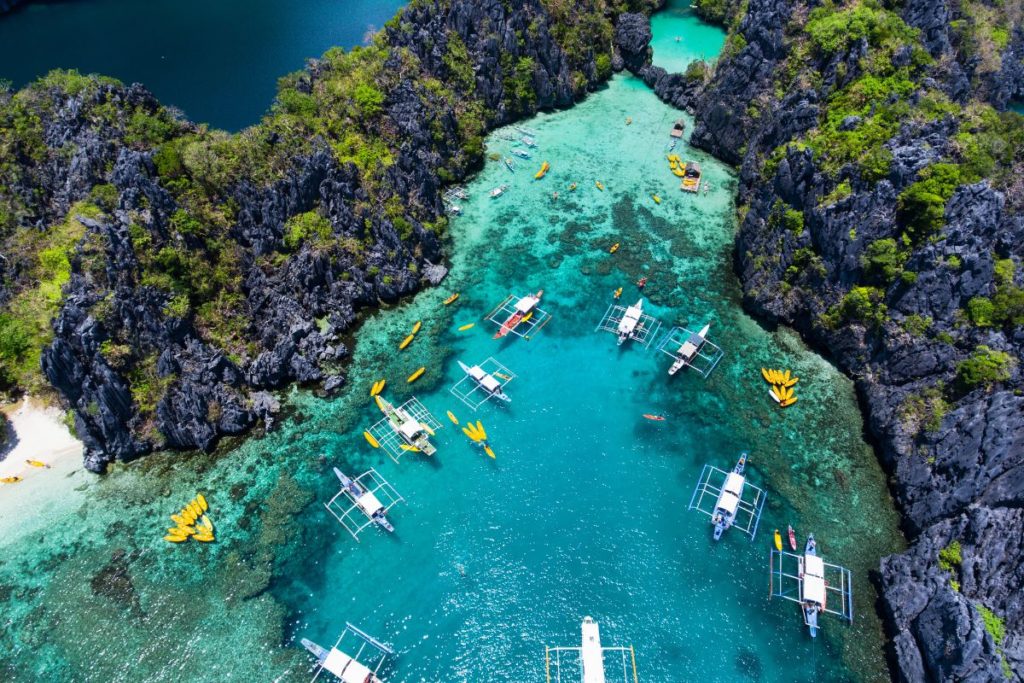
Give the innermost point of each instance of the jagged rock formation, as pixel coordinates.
(202, 269)
(840, 249)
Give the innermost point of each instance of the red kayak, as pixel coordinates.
(641, 283)
(509, 325)
(656, 418)
(792, 537)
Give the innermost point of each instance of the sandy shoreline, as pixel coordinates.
(43, 493)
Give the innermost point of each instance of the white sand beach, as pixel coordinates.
(43, 493)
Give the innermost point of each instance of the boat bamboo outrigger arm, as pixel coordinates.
(729, 499)
(690, 349)
(483, 382)
(404, 428)
(809, 581)
(519, 315)
(586, 663)
(362, 667)
(629, 323)
(363, 502)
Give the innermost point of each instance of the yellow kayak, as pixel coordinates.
(767, 375)
(480, 429)
(173, 538)
(370, 440)
(466, 327)
(451, 416)
(203, 538)
(791, 382)
(617, 293)
(543, 169)
(614, 248)
(678, 172)
(406, 341)
(470, 431)
(378, 400)
(428, 429)
(417, 326)
(598, 185)
(37, 463)
(416, 375)
(778, 540)
(194, 507)
(407, 447)
(788, 402)
(527, 317)
(178, 520)
(452, 298)
(182, 531)
(656, 198)
(488, 451)
(11, 480)
(378, 387)
(779, 393)
(202, 502)
(785, 377)
(188, 517)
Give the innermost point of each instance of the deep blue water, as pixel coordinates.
(218, 60)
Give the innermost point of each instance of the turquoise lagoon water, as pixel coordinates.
(215, 59)
(583, 512)
(697, 39)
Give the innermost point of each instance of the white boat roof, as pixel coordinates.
(729, 499)
(369, 503)
(591, 653)
(346, 668)
(410, 428)
(734, 483)
(525, 304)
(814, 565)
(814, 579)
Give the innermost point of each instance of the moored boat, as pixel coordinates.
(729, 498)
(689, 350)
(365, 500)
(523, 308)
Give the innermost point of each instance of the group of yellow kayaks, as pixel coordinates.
(782, 386)
(676, 165)
(15, 478)
(191, 522)
(476, 433)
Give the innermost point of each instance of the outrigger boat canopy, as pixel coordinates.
(405, 428)
(729, 499)
(808, 580)
(482, 383)
(586, 663)
(519, 315)
(629, 323)
(362, 667)
(363, 502)
(690, 349)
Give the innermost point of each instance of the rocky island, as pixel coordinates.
(161, 279)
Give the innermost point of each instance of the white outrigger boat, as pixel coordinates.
(737, 503)
(369, 495)
(807, 580)
(729, 498)
(688, 351)
(629, 323)
(498, 191)
(520, 316)
(482, 383)
(528, 141)
(591, 659)
(351, 668)
(521, 153)
(630, 320)
(405, 428)
(691, 350)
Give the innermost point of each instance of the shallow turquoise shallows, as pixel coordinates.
(583, 511)
(215, 59)
(681, 37)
